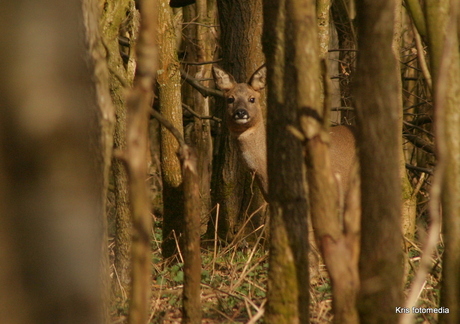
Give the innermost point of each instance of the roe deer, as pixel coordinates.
(245, 122)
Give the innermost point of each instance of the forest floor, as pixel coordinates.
(234, 285)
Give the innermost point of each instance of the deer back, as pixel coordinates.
(343, 154)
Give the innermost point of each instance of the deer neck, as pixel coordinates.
(253, 148)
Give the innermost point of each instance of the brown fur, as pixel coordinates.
(251, 135)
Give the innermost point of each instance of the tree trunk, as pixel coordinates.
(191, 303)
(241, 28)
(288, 277)
(51, 202)
(377, 102)
(337, 235)
(139, 101)
(442, 29)
(192, 250)
(409, 201)
(171, 108)
(114, 22)
(106, 123)
(200, 48)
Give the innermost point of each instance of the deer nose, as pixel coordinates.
(241, 114)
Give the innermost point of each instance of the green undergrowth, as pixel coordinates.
(234, 285)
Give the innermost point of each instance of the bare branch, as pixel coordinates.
(199, 24)
(420, 143)
(190, 110)
(168, 125)
(416, 168)
(205, 91)
(200, 63)
(421, 58)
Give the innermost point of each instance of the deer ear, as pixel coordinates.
(258, 79)
(224, 81)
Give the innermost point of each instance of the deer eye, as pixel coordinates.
(252, 100)
(230, 100)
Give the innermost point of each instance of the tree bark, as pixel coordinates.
(415, 10)
(288, 300)
(409, 201)
(191, 304)
(337, 235)
(192, 249)
(442, 30)
(52, 204)
(139, 103)
(200, 48)
(106, 123)
(171, 108)
(114, 19)
(323, 8)
(376, 107)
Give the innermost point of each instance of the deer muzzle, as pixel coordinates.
(241, 116)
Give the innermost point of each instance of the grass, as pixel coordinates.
(234, 285)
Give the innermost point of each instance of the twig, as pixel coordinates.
(179, 251)
(422, 120)
(122, 289)
(415, 126)
(342, 109)
(343, 50)
(124, 41)
(245, 270)
(214, 259)
(195, 114)
(199, 24)
(237, 239)
(258, 315)
(419, 185)
(421, 58)
(200, 63)
(223, 291)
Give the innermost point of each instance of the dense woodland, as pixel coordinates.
(123, 198)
